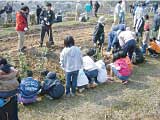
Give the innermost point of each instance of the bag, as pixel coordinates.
(82, 78)
(53, 88)
(102, 72)
(137, 57)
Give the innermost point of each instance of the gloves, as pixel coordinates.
(45, 19)
(47, 23)
(25, 29)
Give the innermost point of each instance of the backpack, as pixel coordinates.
(53, 88)
(137, 57)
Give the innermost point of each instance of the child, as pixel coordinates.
(29, 89)
(145, 35)
(121, 67)
(98, 34)
(154, 48)
(71, 63)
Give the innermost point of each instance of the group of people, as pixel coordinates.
(82, 70)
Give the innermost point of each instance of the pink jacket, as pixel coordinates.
(124, 68)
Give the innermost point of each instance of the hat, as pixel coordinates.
(102, 19)
(51, 75)
(48, 4)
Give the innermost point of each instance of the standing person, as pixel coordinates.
(156, 24)
(8, 9)
(78, 10)
(122, 12)
(117, 12)
(146, 35)
(71, 62)
(8, 91)
(96, 7)
(47, 18)
(38, 12)
(88, 9)
(21, 26)
(155, 7)
(127, 42)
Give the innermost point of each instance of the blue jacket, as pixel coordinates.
(88, 7)
(29, 87)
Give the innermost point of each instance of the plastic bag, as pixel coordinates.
(82, 78)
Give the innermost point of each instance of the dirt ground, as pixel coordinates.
(140, 100)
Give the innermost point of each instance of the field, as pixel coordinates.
(139, 100)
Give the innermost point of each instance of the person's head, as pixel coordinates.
(37, 6)
(119, 54)
(25, 9)
(120, 1)
(6, 68)
(3, 61)
(91, 52)
(154, 39)
(29, 73)
(146, 17)
(44, 73)
(69, 41)
(49, 6)
(51, 75)
(102, 20)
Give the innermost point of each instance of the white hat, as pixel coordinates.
(102, 19)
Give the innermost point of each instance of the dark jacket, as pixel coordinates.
(96, 5)
(99, 32)
(38, 11)
(8, 9)
(156, 22)
(49, 15)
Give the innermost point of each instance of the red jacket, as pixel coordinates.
(21, 21)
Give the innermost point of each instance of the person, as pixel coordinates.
(137, 14)
(146, 35)
(38, 12)
(96, 7)
(117, 27)
(8, 90)
(88, 9)
(78, 10)
(121, 67)
(154, 48)
(90, 69)
(156, 24)
(47, 18)
(8, 9)
(155, 7)
(98, 34)
(71, 62)
(117, 10)
(127, 41)
(139, 28)
(28, 89)
(21, 26)
(122, 12)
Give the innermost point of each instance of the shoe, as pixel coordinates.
(93, 85)
(81, 90)
(125, 82)
(52, 43)
(154, 55)
(68, 95)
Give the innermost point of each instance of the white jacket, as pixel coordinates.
(71, 59)
(89, 64)
(117, 9)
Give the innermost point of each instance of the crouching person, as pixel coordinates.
(121, 66)
(71, 62)
(90, 69)
(29, 89)
(8, 91)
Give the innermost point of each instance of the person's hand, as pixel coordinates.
(25, 29)
(45, 19)
(47, 23)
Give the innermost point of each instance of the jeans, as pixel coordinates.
(47, 29)
(151, 51)
(92, 75)
(144, 47)
(123, 78)
(122, 18)
(20, 39)
(129, 48)
(10, 110)
(71, 81)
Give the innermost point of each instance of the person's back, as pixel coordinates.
(88, 7)
(88, 63)
(8, 8)
(121, 27)
(153, 45)
(38, 11)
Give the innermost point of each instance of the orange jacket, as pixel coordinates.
(154, 46)
(128, 61)
(21, 21)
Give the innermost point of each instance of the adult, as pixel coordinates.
(88, 9)
(127, 41)
(96, 7)
(8, 91)
(155, 7)
(21, 26)
(117, 11)
(156, 24)
(8, 9)
(47, 18)
(38, 12)
(78, 10)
